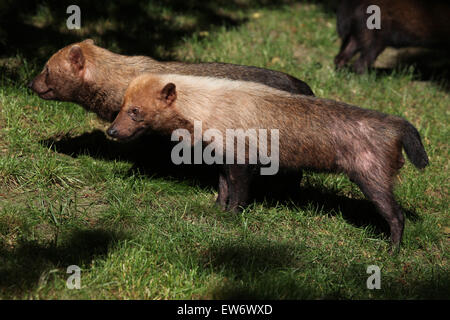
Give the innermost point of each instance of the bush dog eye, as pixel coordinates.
(134, 113)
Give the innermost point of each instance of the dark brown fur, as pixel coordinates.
(97, 78)
(422, 23)
(314, 133)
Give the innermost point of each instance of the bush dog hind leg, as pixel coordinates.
(238, 180)
(380, 192)
(223, 192)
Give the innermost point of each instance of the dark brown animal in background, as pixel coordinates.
(314, 133)
(404, 23)
(97, 78)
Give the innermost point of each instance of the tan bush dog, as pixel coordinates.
(97, 78)
(314, 133)
(423, 23)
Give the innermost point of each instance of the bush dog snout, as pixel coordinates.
(314, 133)
(112, 132)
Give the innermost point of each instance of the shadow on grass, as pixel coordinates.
(24, 266)
(358, 212)
(134, 26)
(150, 156)
(261, 270)
(260, 261)
(35, 30)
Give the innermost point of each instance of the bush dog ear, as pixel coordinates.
(169, 93)
(76, 58)
(89, 41)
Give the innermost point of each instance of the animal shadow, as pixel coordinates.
(28, 263)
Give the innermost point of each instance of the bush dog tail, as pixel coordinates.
(413, 146)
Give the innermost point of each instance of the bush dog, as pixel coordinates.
(314, 133)
(97, 78)
(421, 23)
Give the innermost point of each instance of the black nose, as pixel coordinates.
(30, 84)
(112, 132)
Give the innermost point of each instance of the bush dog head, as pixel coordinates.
(64, 74)
(143, 105)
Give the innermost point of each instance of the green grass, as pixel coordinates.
(140, 235)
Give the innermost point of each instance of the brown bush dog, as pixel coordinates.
(421, 23)
(97, 78)
(314, 133)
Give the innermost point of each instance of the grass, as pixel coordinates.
(69, 196)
